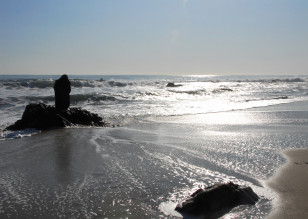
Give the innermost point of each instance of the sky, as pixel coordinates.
(148, 37)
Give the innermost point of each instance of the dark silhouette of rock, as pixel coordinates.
(170, 84)
(62, 89)
(43, 117)
(217, 200)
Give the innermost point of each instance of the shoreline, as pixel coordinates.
(161, 160)
(290, 183)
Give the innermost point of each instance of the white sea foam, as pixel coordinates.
(20, 134)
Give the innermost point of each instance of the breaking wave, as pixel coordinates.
(91, 97)
(75, 98)
(190, 92)
(99, 83)
(292, 80)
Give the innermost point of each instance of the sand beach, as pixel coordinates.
(291, 184)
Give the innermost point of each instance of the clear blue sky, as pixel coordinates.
(154, 37)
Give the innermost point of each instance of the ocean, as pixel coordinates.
(118, 97)
(166, 143)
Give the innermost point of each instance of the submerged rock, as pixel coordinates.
(170, 84)
(217, 200)
(41, 116)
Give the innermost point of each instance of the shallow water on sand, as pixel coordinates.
(144, 169)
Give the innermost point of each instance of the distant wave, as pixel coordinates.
(141, 93)
(43, 83)
(75, 98)
(202, 91)
(222, 90)
(28, 83)
(292, 80)
(191, 92)
(79, 83)
(39, 98)
(268, 98)
(85, 83)
(5, 105)
(118, 84)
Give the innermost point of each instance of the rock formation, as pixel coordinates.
(217, 200)
(170, 84)
(62, 89)
(43, 117)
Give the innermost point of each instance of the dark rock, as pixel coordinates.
(43, 117)
(170, 84)
(62, 89)
(217, 200)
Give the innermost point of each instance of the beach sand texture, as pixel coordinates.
(291, 184)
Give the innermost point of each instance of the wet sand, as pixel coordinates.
(143, 169)
(291, 184)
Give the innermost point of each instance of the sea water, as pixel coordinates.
(139, 96)
(170, 141)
